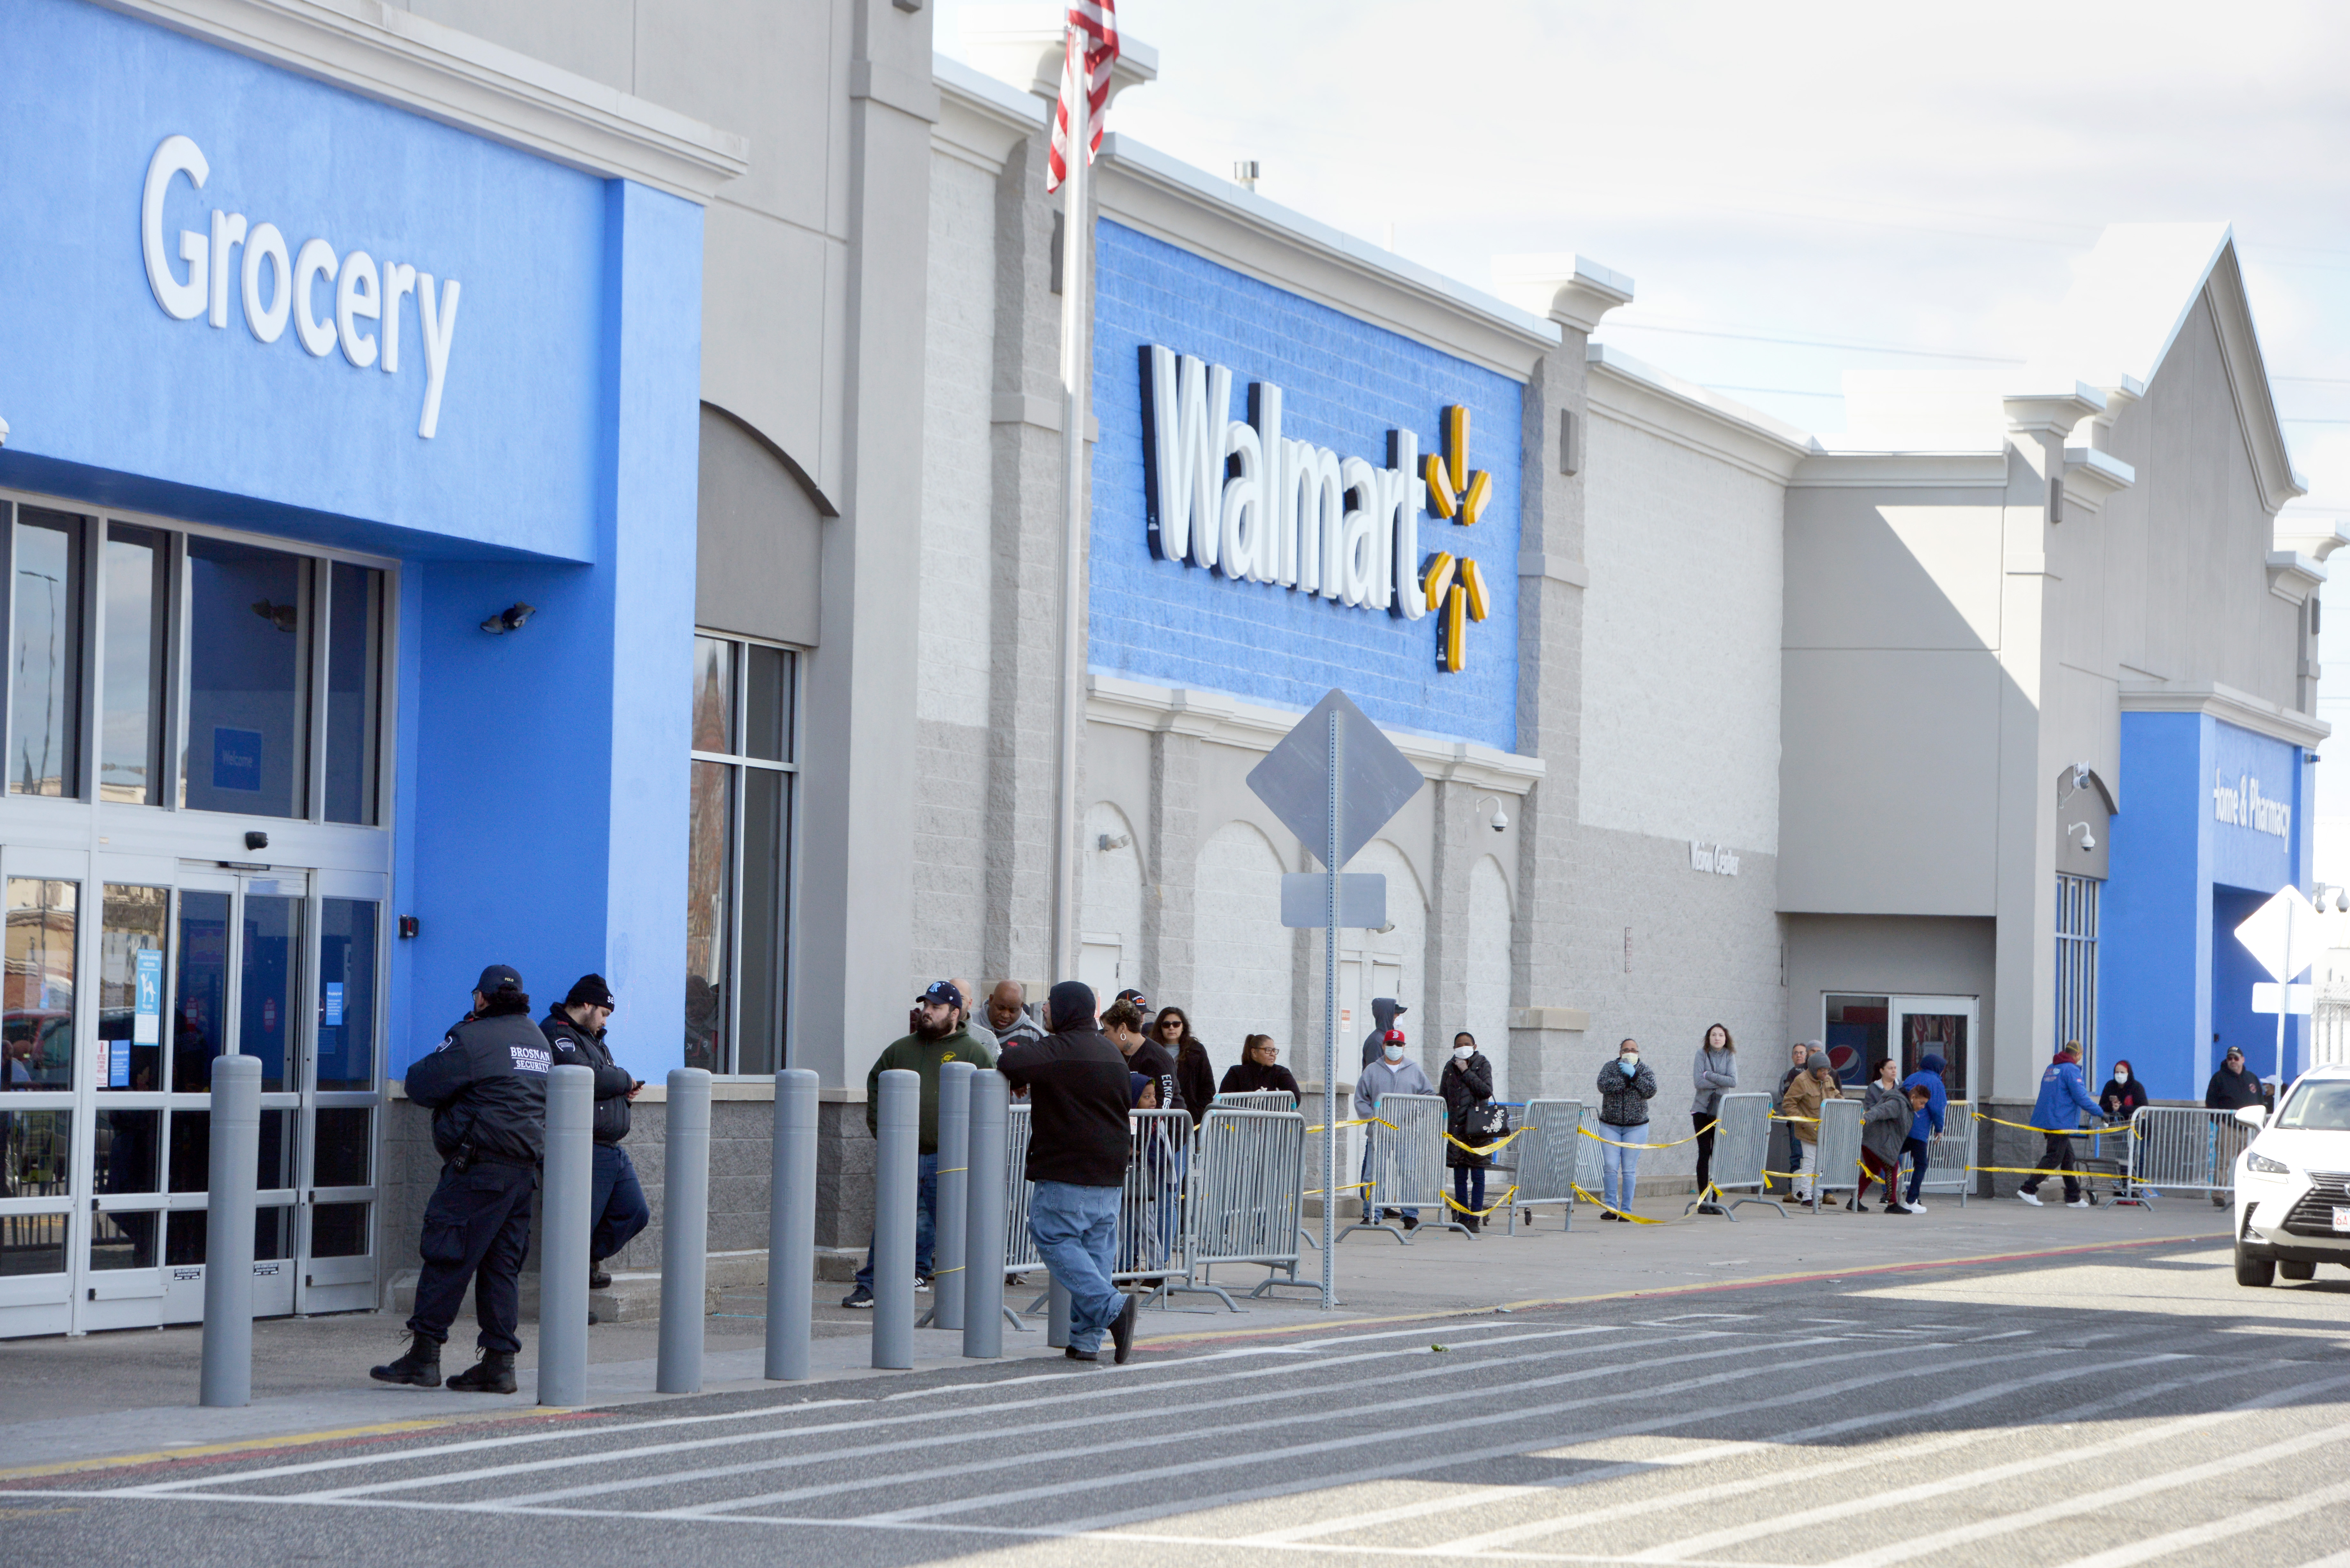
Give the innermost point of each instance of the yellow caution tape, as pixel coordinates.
(1619, 1142)
(2050, 1132)
(1621, 1214)
(1359, 1122)
(1452, 1202)
(1481, 1148)
(1350, 1187)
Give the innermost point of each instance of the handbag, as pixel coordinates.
(1487, 1121)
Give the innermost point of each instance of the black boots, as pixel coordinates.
(493, 1374)
(420, 1366)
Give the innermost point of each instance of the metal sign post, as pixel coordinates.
(1334, 781)
(2284, 935)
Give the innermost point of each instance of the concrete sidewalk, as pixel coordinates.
(133, 1393)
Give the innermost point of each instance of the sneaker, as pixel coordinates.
(921, 1282)
(2031, 1197)
(1411, 1222)
(2080, 1203)
(1074, 1354)
(859, 1297)
(1121, 1331)
(1914, 1206)
(1855, 1205)
(1898, 1208)
(598, 1277)
(1607, 1214)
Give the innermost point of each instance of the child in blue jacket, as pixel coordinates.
(1926, 1124)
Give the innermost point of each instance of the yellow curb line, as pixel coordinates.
(287, 1441)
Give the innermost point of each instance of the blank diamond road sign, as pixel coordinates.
(1375, 779)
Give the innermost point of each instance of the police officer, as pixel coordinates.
(486, 1088)
(616, 1206)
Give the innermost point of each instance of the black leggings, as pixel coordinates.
(1703, 1123)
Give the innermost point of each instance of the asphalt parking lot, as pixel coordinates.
(2105, 1408)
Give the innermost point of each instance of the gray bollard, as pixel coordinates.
(685, 1232)
(986, 1207)
(227, 1379)
(791, 1226)
(569, 1175)
(899, 1125)
(954, 1179)
(1057, 1313)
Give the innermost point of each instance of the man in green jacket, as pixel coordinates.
(939, 1038)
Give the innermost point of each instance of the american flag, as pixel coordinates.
(1097, 20)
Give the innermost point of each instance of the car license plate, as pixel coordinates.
(2341, 1221)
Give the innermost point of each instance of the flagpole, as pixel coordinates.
(1076, 355)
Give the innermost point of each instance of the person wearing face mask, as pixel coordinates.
(1801, 1106)
(1627, 1085)
(2123, 1096)
(1392, 1074)
(1467, 1082)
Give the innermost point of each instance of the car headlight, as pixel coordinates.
(2264, 1166)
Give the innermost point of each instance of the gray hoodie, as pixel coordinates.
(1380, 1079)
(1384, 1010)
(1713, 1071)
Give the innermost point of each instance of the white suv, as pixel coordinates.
(2293, 1182)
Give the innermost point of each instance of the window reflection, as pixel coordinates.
(36, 997)
(45, 662)
(132, 923)
(709, 877)
(249, 697)
(199, 1008)
(130, 728)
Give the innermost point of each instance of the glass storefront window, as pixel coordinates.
(248, 680)
(200, 1009)
(38, 996)
(354, 663)
(32, 1245)
(130, 724)
(738, 873)
(130, 961)
(271, 980)
(45, 655)
(347, 958)
(35, 1153)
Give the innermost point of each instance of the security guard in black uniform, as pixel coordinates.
(486, 1088)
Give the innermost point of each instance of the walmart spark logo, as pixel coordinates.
(1453, 583)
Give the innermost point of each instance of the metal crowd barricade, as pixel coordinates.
(2183, 1149)
(1247, 1194)
(1152, 1237)
(1589, 1174)
(1257, 1100)
(1019, 1247)
(1839, 1168)
(1546, 1153)
(1407, 1165)
(1949, 1155)
(1742, 1142)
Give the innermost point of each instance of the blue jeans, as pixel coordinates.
(1913, 1149)
(1370, 1216)
(926, 1222)
(1619, 1166)
(616, 1203)
(1076, 1231)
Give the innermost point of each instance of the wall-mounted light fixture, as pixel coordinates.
(510, 618)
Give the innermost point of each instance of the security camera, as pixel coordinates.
(2088, 835)
(1500, 820)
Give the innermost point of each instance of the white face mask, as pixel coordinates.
(1627, 1063)
(1392, 1053)
(2121, 1075)
(1462, 1053)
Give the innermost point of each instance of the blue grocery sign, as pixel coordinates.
(334, 1004)
(236, 760)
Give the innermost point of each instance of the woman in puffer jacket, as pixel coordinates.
(1467, 1082)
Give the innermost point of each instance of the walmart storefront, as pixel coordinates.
(305, 389)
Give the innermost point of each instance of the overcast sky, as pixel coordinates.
(1803, 188)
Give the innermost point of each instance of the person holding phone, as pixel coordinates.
(616, 1203)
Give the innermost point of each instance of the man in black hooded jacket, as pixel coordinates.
(486, 1088)
(615, 1202)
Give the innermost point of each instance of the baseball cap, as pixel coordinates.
(498, 977)
(1134, 996)
(943, 990)
(1392, 1037)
